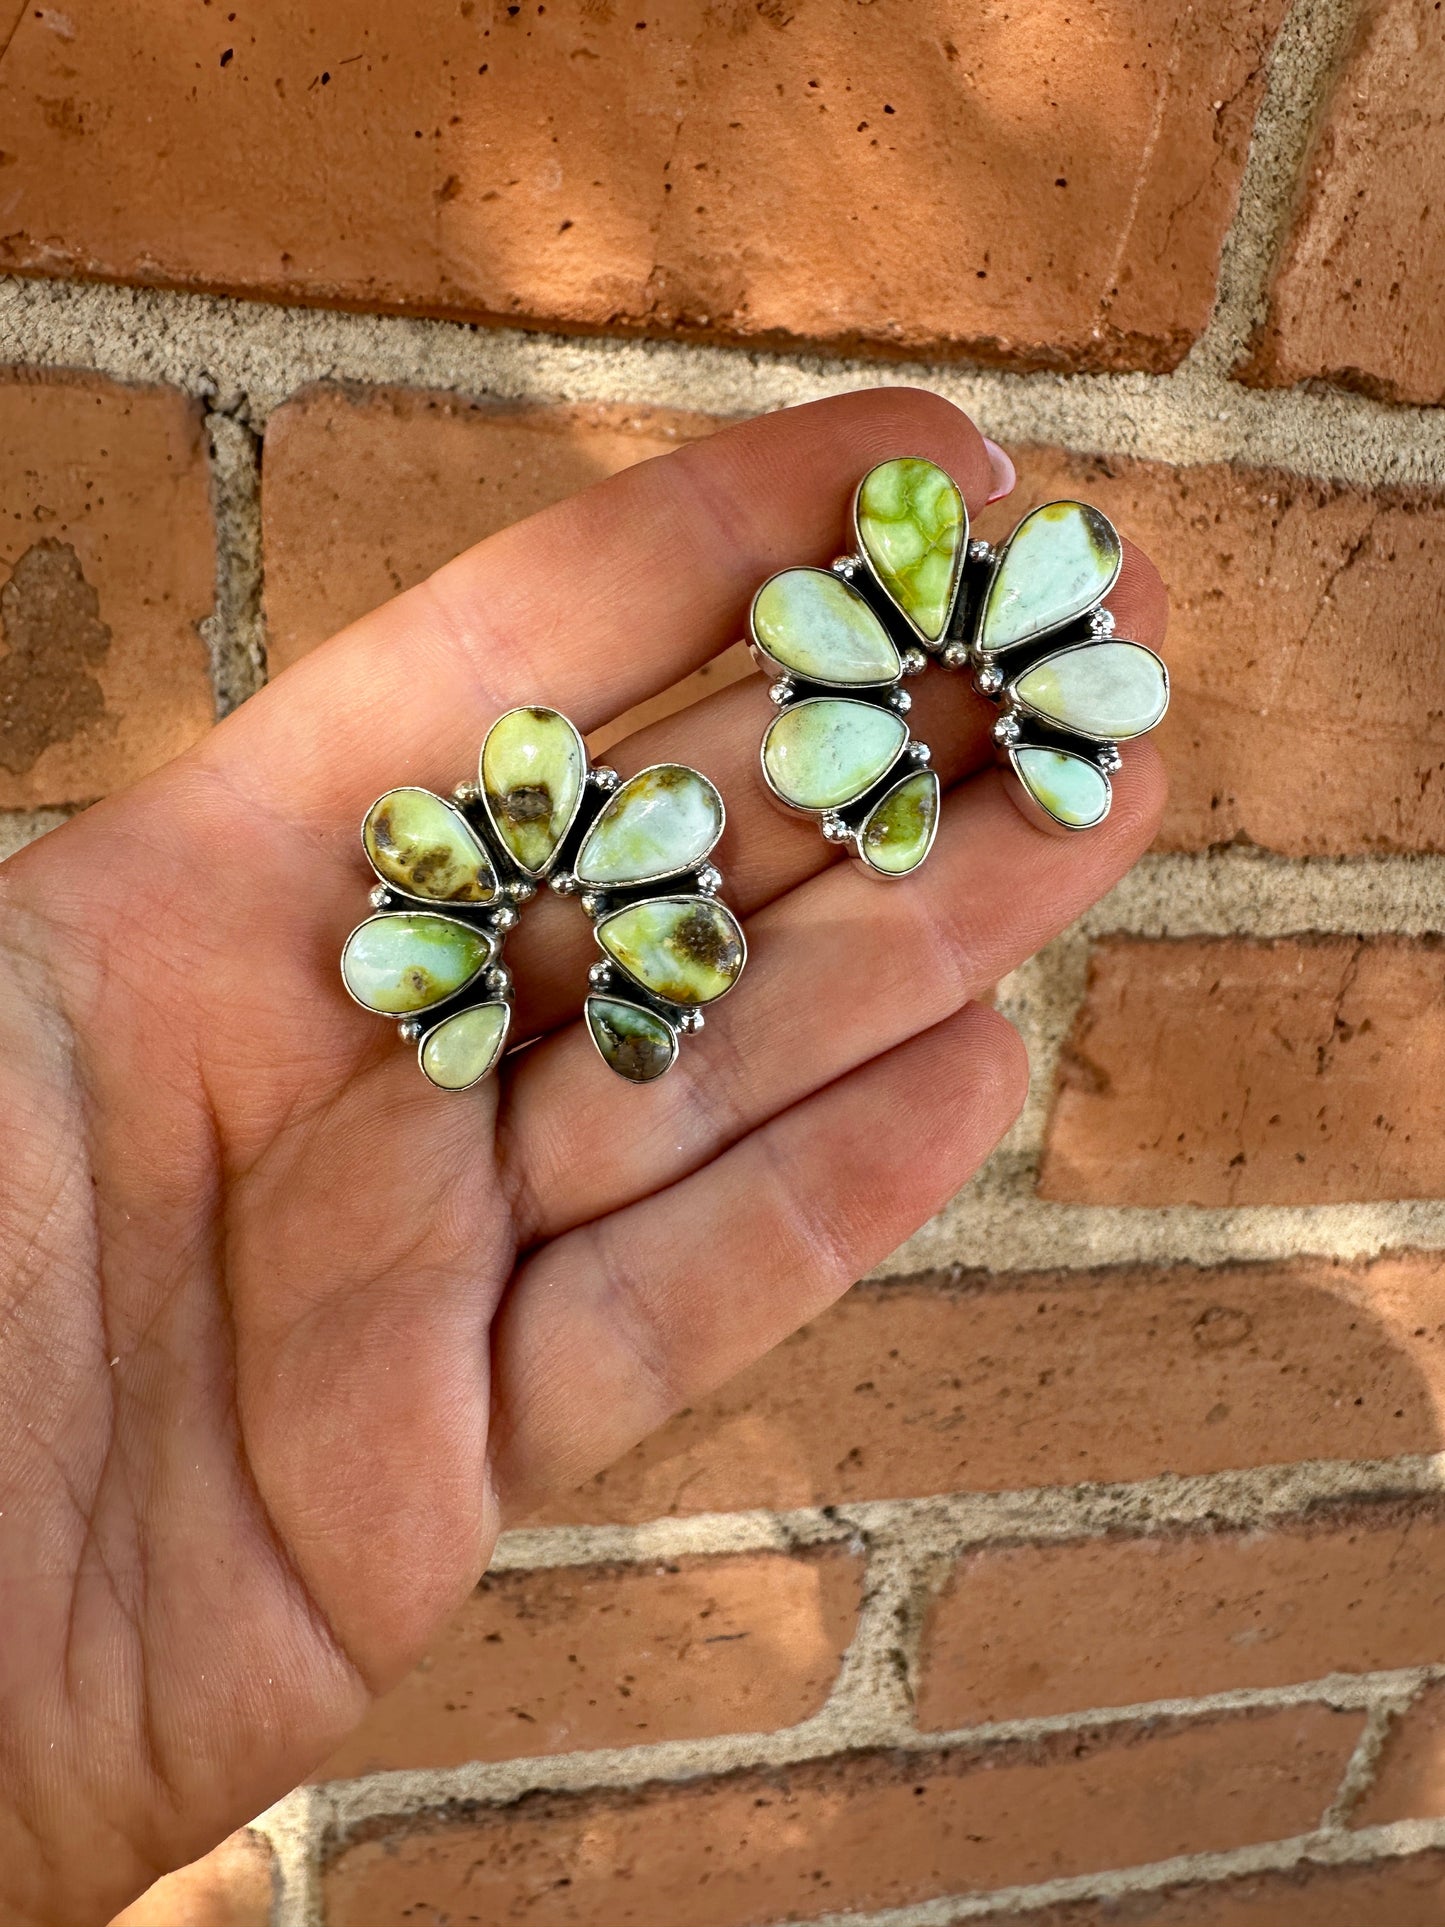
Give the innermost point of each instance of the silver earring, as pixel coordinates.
(1027, 619)
(452, 874)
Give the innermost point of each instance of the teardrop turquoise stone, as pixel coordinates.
(408, 960)
(1070, 788)
(1059, 561)
(823, 753)
(462, 1049)
(533, 767)
(686, 949)
(658, 823)
(1109, 690)
(809, 622)
(913, 528)
(426, 848)
(898, 831)
(634, 1042)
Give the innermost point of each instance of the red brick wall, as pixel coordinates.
(1092, 1559)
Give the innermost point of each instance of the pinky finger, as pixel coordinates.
(614, 1326)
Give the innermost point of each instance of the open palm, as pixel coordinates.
(285, 1334)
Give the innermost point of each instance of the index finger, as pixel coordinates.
(588, 607)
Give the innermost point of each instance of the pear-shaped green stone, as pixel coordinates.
(913, 528)
(686, 949)
(657, 824)
(408, 960)
(898, 831)
(533, 768)
(809, 622)
(1110, 690)
(634, 1042)
(1070, 788)
(823, 753)
(426, 848)
(1059, 561)
(463, 1048)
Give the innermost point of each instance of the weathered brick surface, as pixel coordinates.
(1409, 1779)
(232, 1887)
(1228, 1072)
(757, 172)
(560, 1661)
(1025, 1630)
(854, 1834)
(1408, 1892)
(1308, 712)
(106, 567)
(1358, 292)
(1049, 1379)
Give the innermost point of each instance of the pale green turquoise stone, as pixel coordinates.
(533, 768)
(686, 949)
(658, 823)
(462, 1049)
(1072, 789)
(812, 624)
(823, 753)
(427, 848)
(1111, 690)
(1059, 561)
(634, 1042)
(898, 831)
(409, 960)
(913, 527)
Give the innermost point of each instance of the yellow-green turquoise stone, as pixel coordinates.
(533, 768)
(1059, 561)
(686, 949)
(462, 1049)
(898, 831)
(1112, 690)
(426, 848)
(809, 622)
(823, 753)
(913, 528)
(658, 823)
(408, 960)
(1073, 790)
(634, 1042)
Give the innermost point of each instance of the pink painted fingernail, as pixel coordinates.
(1004, 476)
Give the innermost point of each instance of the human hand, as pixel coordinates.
(286, 1336)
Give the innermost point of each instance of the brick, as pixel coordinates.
(1227, 1072)
(756, 173)
(1358, 292)
(561, 1661)
(1407, 1892)
(853, 1834)
(1410, 1775)
(368, 491)
(1306, 714)
(232, 1887)
(1028, 1630)
(1055, 1378)
(106, 568)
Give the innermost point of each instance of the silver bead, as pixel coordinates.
(989, 679)
(691, 1022)
(954, 655)
(981, 552)
(900, 700)
(1110, 760)
(914, 662)
(467, 793)
(565, 884)
(380, 896)
(844, 565)
(1101, 622)
(709, 880)
(835, 830)
(520, 890)
(919, 753)
(499, 981)
(409, 1032)
(781, 691)
(1006, 729)
(504, 917)
(591, 903)
(600, 976)
(606, 779)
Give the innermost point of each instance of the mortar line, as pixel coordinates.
(948, 1525)
(1359, 1774)
(829, 1736)
(290, 1829)
(234, 631)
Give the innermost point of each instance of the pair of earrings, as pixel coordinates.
(1028, 620)
(453, 873)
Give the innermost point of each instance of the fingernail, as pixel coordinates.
(1004, 476)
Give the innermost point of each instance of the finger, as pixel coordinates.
(841, 969)
(588, 606)
(614, 1326)
(767, 851)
